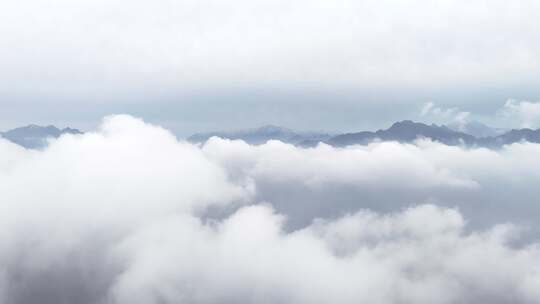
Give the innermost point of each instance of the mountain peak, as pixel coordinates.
(273, 129)
(405, 131)
(34, 136)
(406, 122)
(409, 124)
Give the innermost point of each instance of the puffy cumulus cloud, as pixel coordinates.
(123, 215)
(59, 206)
(525, 113)
(420, 255)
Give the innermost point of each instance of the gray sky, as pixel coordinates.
(202, 65)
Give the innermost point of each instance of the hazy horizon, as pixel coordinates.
(201, 66)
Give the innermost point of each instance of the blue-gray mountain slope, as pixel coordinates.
(34, 136)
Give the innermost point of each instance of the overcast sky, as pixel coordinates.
(198, 65)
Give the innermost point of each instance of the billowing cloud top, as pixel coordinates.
(128, 214)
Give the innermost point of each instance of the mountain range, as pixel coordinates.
(471, 135)
(264, 134)
(403, 131)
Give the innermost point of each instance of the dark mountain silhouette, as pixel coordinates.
(34, 136)
(408, 131)
(405, 131)
(513, 136)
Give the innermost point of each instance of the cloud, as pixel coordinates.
(514, 113)
(86, 192)
(420, 255)
(525, 113)
(374, 165)
(426, 108)
(452, 115)
(129, 214)
(385, 175)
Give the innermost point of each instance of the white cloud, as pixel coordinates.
(426, 108)
(384, 176)
(451, 115)
(514, 113)
(379, 164)
(127, 214)
(89, 191)
(525, 113)
(421, 255)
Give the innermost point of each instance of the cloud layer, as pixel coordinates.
(488, 185)
(128, 214)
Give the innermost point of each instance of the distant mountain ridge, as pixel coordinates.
(34, 136)
(262, 135)
(405, 131)
(408, 131)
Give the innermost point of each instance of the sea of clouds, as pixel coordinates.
(128, 214)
